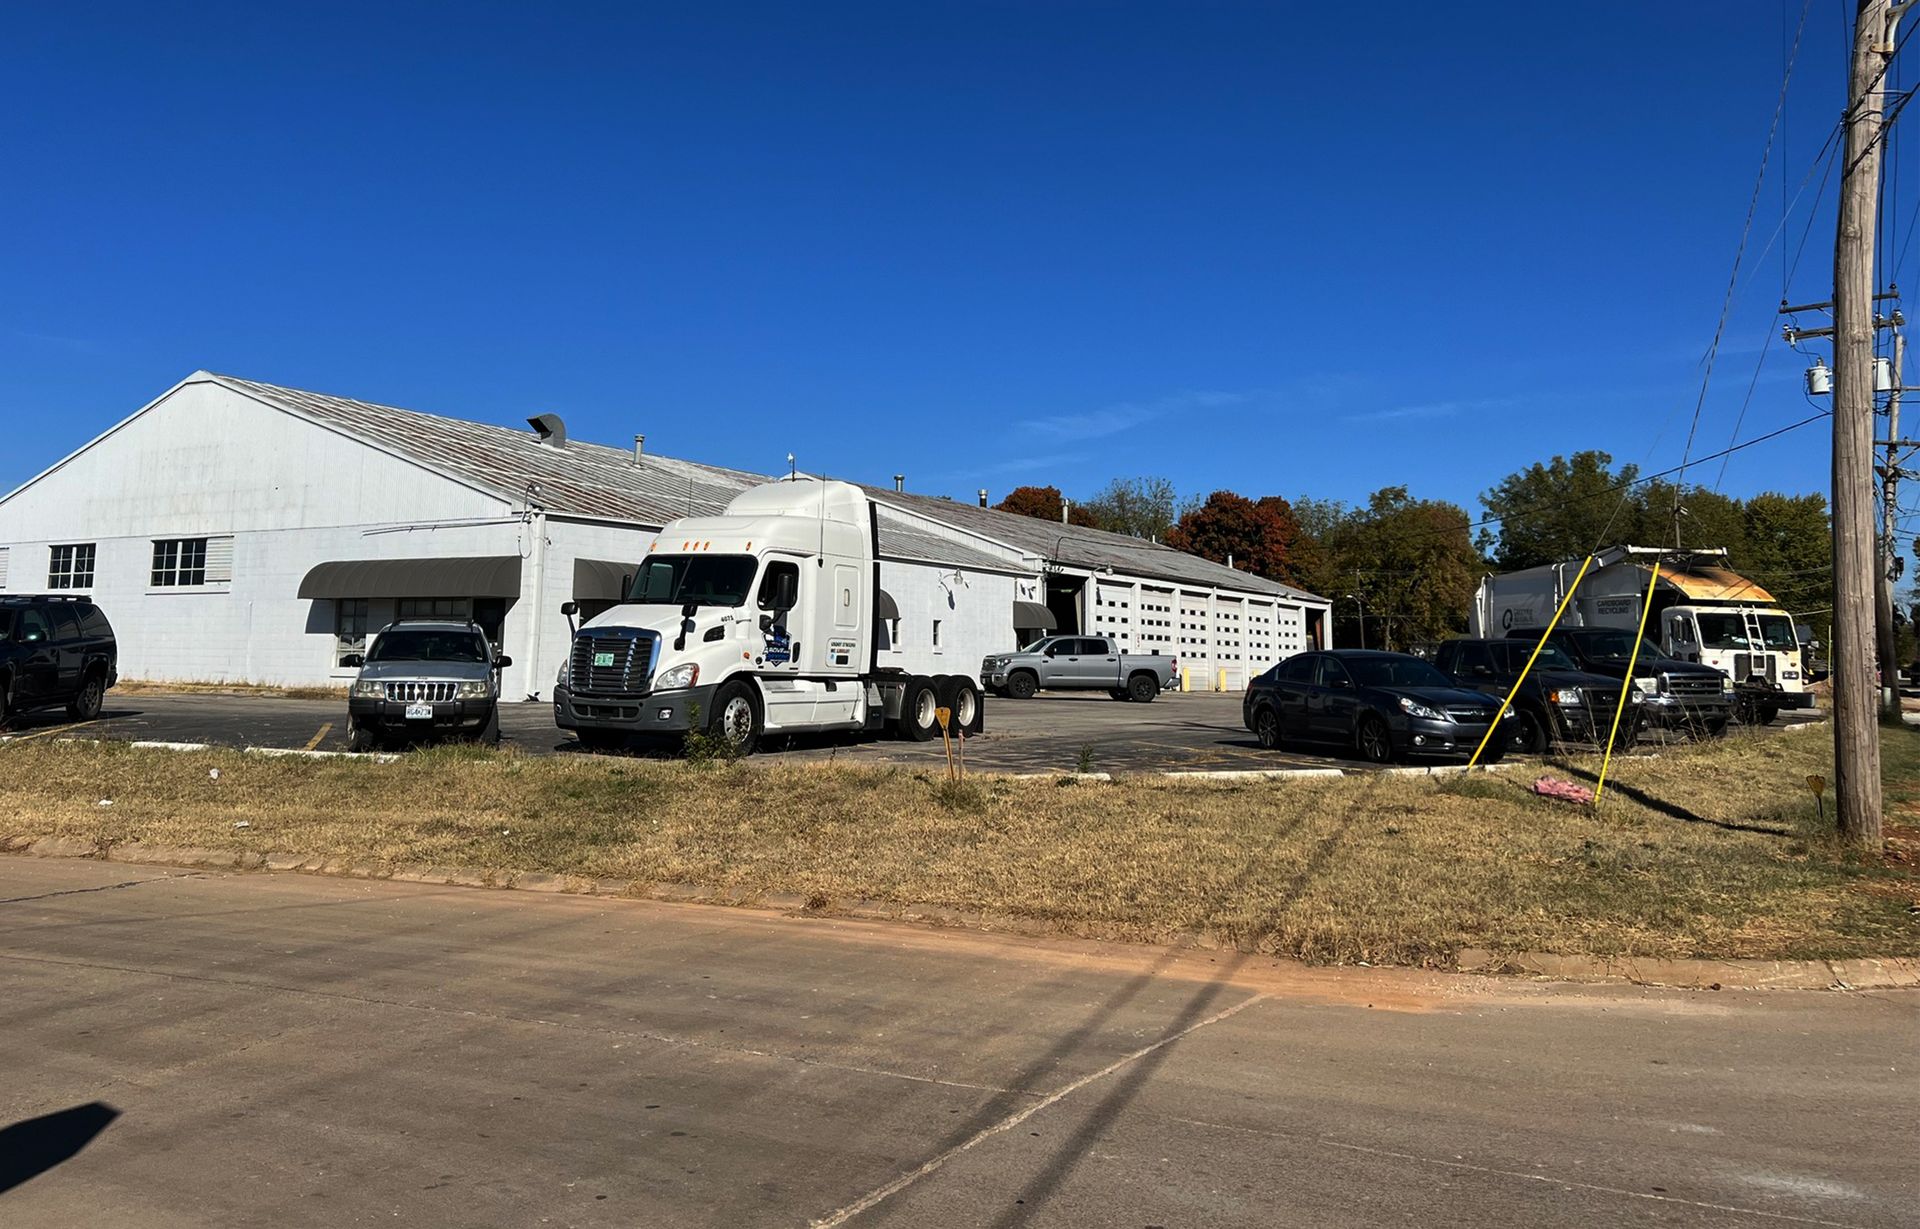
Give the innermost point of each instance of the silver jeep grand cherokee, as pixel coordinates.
(422, 678)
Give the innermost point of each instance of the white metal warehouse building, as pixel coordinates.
(241, 532)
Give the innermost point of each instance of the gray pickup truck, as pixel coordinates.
(1079, 663)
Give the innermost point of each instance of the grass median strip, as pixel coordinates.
(1702, 851)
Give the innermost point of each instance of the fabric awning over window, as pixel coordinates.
(1033, 616)
(482, 576)
(601, 580)
(885, 607)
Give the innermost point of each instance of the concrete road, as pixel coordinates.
(1177, 732)
(204, 1049)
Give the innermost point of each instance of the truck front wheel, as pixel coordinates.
(1021, 685)
(1142, 688)
(736, 717)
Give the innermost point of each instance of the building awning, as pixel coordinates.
(483, 576)
(601, 580)
(884, 607)
(1032, 616)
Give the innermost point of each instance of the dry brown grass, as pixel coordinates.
(1709, 851)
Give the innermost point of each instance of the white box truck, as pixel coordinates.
(765, 619)
(1702, 612)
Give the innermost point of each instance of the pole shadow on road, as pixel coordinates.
(32, 1146)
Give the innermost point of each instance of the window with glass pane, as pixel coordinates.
(349, 626)
(434, 608)
(179, 561)
(71, 567)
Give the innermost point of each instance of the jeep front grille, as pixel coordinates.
(421, 693)
(630, 672)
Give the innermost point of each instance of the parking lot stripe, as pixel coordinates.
(321, 737)
(52, 729)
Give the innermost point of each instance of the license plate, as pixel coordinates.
(603, 659)
(419, 712)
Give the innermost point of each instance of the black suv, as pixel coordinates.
(1678, 694)
(53, 651)
(1559, 702)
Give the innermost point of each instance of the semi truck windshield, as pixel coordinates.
(1778, 632)
(1723, 631)
(702, 580)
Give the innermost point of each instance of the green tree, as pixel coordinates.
(1556, 511)
(1140, 507)
(1411, 562)
(1789, 553)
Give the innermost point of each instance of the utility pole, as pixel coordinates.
(1888, 633)
(1856, 728)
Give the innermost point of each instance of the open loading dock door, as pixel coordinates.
(482, 576)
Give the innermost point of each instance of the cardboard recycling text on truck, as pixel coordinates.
(765, 619)
(1701, 612)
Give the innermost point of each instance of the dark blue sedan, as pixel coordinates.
(1382, 705)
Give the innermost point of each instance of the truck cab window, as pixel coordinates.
(780, 587)
(703, 580)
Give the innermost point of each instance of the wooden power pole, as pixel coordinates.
(1856, 727)
(1885, 628)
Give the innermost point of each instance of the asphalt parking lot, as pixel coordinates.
(1198, 732)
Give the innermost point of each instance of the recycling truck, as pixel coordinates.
(766, 619)
(1702, 612)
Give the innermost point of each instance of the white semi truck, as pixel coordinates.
(1702, 612)
(766, 619)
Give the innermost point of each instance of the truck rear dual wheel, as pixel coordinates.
(919, 708)
(961, 698)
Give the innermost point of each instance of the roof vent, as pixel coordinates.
(983, 497)
(639, 448)
(899, 482)
(552, 432)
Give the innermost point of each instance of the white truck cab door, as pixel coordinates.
(1681, 641)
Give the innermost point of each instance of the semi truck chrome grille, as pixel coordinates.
(420, 693)
(611, 665)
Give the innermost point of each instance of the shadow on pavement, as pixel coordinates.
(32, 1146)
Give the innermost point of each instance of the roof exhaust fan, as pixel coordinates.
(552, 431)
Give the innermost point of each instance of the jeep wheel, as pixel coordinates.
(360, 738)
(489, 735)
(93, 693)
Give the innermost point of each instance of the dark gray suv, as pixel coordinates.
(425, 678)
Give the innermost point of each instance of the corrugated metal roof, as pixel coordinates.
(1078, 546)
(593, 480)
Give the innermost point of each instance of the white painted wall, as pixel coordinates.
(975, 614)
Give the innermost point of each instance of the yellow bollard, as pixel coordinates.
(1220, 682)
(1186, 678)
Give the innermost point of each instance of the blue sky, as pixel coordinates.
(1276, 248)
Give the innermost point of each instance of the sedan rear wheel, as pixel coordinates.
(1266, 728)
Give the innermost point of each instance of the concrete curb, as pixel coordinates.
(1866, 973)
